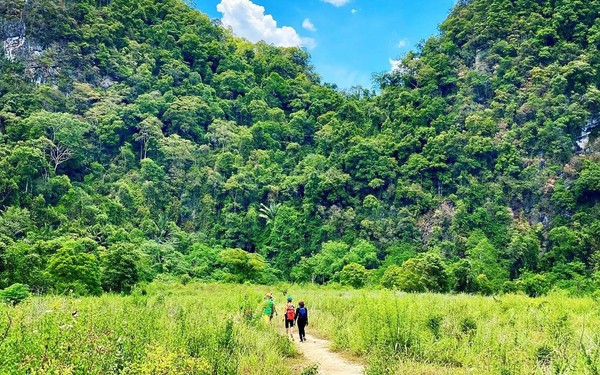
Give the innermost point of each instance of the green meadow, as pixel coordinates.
(169, 328)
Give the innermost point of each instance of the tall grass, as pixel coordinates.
(199, 329)
(171, 330)
(458, 334)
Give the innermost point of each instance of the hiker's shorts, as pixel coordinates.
(289, 323)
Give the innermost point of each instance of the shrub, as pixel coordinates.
(73, 268)
(353, 274)
(424, 273)
(510, 287)
(468, 326)
(243, 265)
(120, 269)
(160, 360)
(185, 279)
(311, 370)
(391, 278)
(484, 285)
(534, 285)
(434, 323)
(14, 294)
(543, 355)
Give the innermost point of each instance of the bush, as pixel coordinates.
(434, 323)
(185, 279)
(534, 285)
(543, 355)
(311, 370)
(243, 266)
(468, 326)
(14, 294)
(74, 269)
(120, 270)
(353, 274)
(425, 273)
(484, 285)
(510, 287)
(392, 277)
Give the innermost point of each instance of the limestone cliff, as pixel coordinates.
(19, 47)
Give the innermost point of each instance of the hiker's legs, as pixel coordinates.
(301, 332)
(289, 325)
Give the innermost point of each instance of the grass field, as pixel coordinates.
(199, 329)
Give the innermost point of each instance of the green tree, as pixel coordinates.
(73, 268)
(363, 253)
(64, 135)
(14, 294)
(392, 277)
(203, 260)
(587, 186)
(243, 266)
(486, 263)
(421, 274)
(120, 268)
(354, 274)
(188, 116)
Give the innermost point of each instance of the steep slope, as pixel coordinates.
(507, 97)
(140, 138)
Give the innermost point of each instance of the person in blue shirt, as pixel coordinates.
(301, 320)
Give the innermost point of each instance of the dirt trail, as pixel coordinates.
(316, 350)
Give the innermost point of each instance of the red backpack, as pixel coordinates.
(290, 312)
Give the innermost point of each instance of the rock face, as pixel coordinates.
(17, 46)
(583, 141)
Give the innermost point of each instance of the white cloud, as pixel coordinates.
(402, 43)
(309, 25)
(309, 43)
(395, 65)
(249, 20)
(337, 3)
(354, 11)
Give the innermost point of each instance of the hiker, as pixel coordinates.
(301, 320)
(269, 308)
(290, 315)
(274, 310)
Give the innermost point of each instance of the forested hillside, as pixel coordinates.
(138, 138)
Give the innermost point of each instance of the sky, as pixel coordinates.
(348, 40)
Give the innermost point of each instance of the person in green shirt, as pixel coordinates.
(269, 308)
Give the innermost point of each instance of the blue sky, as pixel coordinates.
(348, 39)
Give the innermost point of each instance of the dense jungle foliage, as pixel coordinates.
(140, 139)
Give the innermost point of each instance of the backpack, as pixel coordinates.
(290, 312)
(302, 313)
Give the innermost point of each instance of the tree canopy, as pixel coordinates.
(145, 139)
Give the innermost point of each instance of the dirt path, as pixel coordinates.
(316, 350)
